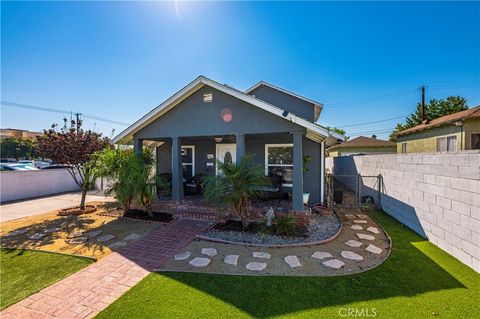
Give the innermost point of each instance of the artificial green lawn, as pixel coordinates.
(418, 280)
(24, 272)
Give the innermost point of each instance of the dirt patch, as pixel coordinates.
(77, 211)
(142, 215)
(55, 230)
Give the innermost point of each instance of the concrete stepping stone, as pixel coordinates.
(199, 262)
(373, 230)
(183, 256)
(293, 261)
(350, 216)
(356, 227)
(133, 236)
(94, 233)
(334, 264)
(105, 238)
(321, 255)
(365, 236)
(52, 230)
(351, 255)
(17, 232)
(374, 249)
(75, 234)
(37, 236)
(210, 252)
(118, 244)
(362, 216)
(256, 266)
(77, 240)
(360, 221)
(260, 254)
(231, 259)
(353, 243)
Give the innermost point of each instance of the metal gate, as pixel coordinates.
(353, 191)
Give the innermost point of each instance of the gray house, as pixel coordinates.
(206, 121)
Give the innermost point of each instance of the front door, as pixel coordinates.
(226, 153)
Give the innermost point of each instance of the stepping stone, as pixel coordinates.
(362, 216)
(183, 256)
(353, 243)
(349, 216)
(37, 236)
(133, 236)
(199, 262)
(373, 230)
(17, 232)
(293, 261)
(118, 244)
(374, 249)
(231, 259)
(210, 252)
(77, 240)
(351, 255)
(105, 238)
(356, 227)
(334, 263)
(256, 266)
(259, 254)
(365, 236)
(94, 233)
(52, 230)
(360, 221)
(75, 234)
(321, 255)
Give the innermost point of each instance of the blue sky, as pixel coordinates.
(118, 60)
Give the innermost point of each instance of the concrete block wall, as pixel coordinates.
(435, 194)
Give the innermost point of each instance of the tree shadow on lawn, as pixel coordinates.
(407, 272)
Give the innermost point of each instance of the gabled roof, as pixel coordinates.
(314, 131)
(263, 83)
(363, 141)
(474, 112)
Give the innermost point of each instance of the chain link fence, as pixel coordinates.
(353, 191)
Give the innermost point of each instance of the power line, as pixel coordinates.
(374, 131)
(47, 109)
(371, 99)
(379, 121)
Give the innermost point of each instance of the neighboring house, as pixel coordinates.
(449, 133)
(362, 145)
(11, 132)
(207, 121)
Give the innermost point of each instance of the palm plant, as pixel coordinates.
(236, 186)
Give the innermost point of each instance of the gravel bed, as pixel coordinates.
(321, 228)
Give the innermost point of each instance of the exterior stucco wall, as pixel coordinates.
(426, 141)
(285, 101)
(471, 127)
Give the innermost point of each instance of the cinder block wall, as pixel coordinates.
(435, 194)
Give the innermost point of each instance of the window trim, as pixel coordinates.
(277, 165)
(471, 139)
(445, 138)
(193, 157)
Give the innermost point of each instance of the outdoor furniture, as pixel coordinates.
(194, 185)
(274, 190)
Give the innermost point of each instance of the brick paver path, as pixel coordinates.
(89, 291)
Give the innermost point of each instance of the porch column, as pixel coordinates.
(137, 146)
(240, 140)
(177, 171)
(297, 200)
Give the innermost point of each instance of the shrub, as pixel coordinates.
(286, 226)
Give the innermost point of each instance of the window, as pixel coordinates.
(279, 161)
(188, 161)
(447, 144)
(475, 141)
(207, 97)
(404, 148)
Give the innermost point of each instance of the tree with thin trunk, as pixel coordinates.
(74, 149)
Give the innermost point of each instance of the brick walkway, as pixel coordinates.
(89, 291)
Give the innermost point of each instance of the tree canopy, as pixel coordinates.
(19, 148)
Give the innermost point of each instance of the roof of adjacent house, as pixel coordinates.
(363, 141)
(314, 131)
(471, 113)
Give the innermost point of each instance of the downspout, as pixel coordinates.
(322, 171)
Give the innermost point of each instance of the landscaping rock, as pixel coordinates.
(334, 263)
(373, 230)
(258, 254)
(356, 227)
(210, 252)
(256, 266)
(362, 216)
(132, 236)
(351, 255)
(94, 233)
(353, 243)
(293, 261)
(77, 240)
(374, 249)
(37, 236)
(17, 232)
(75, 234)
(183, 256)
(360, 221)
(321, 255)
(105, 238)
(199, 262)
(231, 259)
(365, 236)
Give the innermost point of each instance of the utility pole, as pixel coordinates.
(78, 121)
(423, 103)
